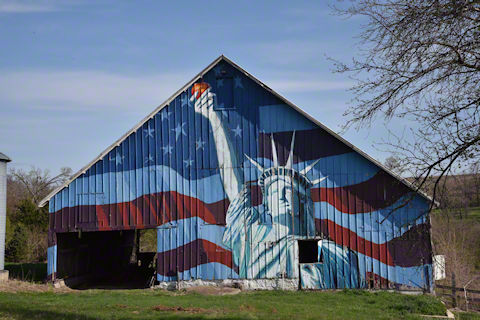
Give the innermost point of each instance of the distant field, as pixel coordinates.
(155, 304)
(474, 213)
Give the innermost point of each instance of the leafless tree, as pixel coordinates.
(458, 240)
(419, 60)
(36, 183)
(475, 172)
(394, 164)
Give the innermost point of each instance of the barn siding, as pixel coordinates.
(168, 175)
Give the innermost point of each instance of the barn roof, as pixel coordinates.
(4, 158)
(191, 82)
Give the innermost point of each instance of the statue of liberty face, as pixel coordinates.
(284, 197)
(286, 192)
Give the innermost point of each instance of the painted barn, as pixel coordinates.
(240, 186)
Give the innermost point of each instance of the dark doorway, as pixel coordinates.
(103, 259)
(308, 251)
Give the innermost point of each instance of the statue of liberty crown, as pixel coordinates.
(286, 170)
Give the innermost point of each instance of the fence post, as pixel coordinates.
(454, 291)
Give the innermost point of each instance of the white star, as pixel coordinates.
(149, 158)
(220, 83)
(165, 115)
(118, 159)
(149, 132)
(188, 163)
(167, 149)
(185, 101)
(238, 82)
(199, 144)
(179, 130)
(237, 131)
(217, 70)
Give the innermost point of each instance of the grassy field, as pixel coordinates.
(474, 213)
(155, 304)
(467, 316)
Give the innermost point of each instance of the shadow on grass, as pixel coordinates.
(20, 312)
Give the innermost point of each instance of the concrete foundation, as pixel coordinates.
(243, 284)
(3, 275)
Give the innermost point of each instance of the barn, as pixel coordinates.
(241, 187)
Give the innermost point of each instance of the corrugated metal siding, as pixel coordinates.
(169, 174)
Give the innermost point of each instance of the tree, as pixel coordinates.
(420, 60)
(27, 224)
(394, 164)
(30, 215)
(36, 183)
(17, 248)
(475, 171)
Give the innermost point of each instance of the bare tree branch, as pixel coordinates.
(420, 60)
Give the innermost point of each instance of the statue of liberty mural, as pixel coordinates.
(263, 238)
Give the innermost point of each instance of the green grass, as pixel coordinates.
(467, 316)
(474, 213)
(139, 304)
(36, 272)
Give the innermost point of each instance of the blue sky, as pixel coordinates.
(76, 75)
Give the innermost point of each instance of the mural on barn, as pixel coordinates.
(238, 184)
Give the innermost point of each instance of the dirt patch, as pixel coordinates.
(14, 286)
(180, 309)
(215, 291)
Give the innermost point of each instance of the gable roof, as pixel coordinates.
(4, 158)
(264, 86)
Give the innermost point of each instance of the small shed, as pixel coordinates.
(241, 186)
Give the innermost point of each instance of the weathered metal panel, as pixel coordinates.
(233, 177)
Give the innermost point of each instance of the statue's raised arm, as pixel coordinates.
(228, 160)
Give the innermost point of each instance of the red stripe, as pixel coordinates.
(192, 254)
(172, 206)
(376, 281)
(412, 248)
(376, 193)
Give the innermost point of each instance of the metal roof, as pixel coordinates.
(4, 158)
(191, 82)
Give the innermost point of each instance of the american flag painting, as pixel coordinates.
(240, 184)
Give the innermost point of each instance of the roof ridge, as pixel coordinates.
(4, 157)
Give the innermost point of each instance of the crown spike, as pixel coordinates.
(255, 163)
(274, 152)
(289, 163)
(308, 168)
(317, 181)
